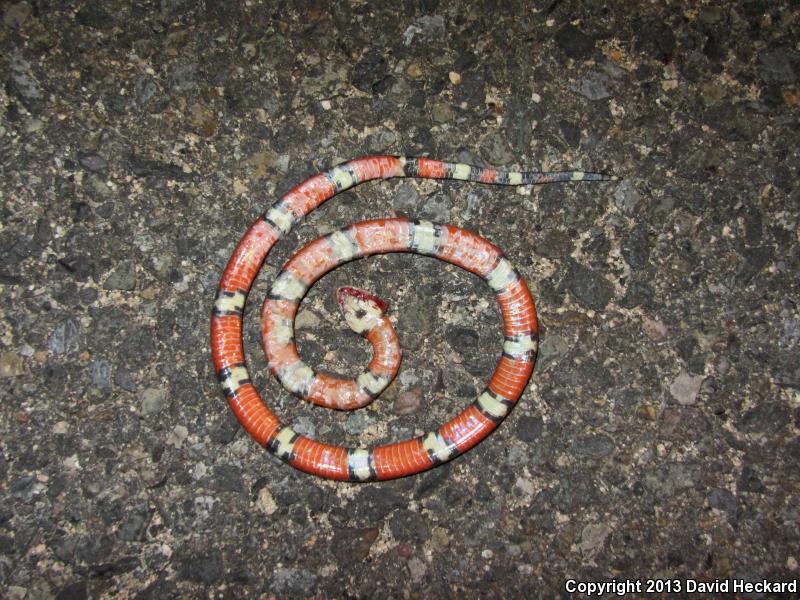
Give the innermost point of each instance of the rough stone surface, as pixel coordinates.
(685, 387)
(659, 437)
(122, 278)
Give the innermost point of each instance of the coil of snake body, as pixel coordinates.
(366, 314)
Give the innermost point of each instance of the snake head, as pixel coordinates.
(362, 310)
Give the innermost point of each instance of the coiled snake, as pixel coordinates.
(366, 315)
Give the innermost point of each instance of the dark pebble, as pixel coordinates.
(571, 133)
(93, 16)
(689, 350)
(657, 39)
(553, 244)
(20, 486)
(207, 568)
(316, 499)
(105, 210)
(160, 589)
(432, 481)
(733, 122)
(593, 446)
(637, 294)
(589, 287)
(595, 85)
(723, 500)
(134, 525)
(755, 259)
(483, 493)
(636, 247)
(145, 89)
(471, 90)
(137, 348)
(750, 481)
(109, 569)
(73, 591)
(100, 374)
(93, 162)
(225, 432)
(79, 266)
(122, 278)
(409, 526)
(793, 450)
(519, 114)
(184, 78)
(56, 486)
(67, 337)
(369, 71)
(775, 66)
(428, 28)
(466, 342)
(574, 43)
(143, 167)
(597, 245)
(462, 339)
(117, 104)
(753, 227)
(227, 478)
(766, 417)
(406, 199)
(529, 429)
(354, 543)
(787, 370)
(81, 211)
(26, 89)
(372, 504)
(64, 549)
(13, 113)
(123, 379)
(92, 550)
(44, 233)
(384, 85)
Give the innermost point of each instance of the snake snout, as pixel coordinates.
(347, 296)
(362, 311)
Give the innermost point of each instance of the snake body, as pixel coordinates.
(366, 315)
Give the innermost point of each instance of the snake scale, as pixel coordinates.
(366, 315)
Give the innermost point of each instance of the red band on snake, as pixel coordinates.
(366, 315)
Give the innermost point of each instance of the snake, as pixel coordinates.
(366, 314)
